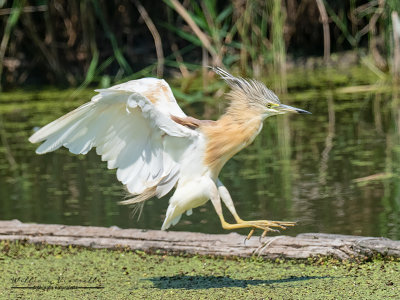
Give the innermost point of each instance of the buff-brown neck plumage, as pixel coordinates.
(241, 122)
(233, 131)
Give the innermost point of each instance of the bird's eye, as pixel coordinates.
(269, 105)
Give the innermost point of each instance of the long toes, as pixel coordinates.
(264, 234)
(279, 226)
(279, 222)
(282, 225)
(264, 228)
(268, 224)
(250, 233)
(287, 223)
(273, 223)
(257, 226)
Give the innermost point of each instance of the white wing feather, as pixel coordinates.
(130, 126)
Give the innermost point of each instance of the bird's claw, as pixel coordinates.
(264, 234)
(250, 233)
(266, 227)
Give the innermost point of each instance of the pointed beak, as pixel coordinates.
(287, 108)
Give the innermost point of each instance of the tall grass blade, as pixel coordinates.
(110, 35)
(11, 22)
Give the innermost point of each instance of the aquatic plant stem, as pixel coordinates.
(156, 37)
(325, 26)
(12, 20)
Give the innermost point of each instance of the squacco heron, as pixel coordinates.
(139, 129)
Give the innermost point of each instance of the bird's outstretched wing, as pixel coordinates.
(131, 127)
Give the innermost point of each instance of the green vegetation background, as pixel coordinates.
(76, 43)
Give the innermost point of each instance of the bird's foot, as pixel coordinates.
(264, 225)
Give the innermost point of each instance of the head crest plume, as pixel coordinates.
(253, 89)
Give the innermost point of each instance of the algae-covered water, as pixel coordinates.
(334, 171)
(53, 272)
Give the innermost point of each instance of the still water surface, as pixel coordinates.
(335, 171)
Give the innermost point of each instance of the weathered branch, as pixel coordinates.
(301, 246)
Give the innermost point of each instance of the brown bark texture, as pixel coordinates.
(302, 246)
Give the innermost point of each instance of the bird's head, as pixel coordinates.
(255, 95)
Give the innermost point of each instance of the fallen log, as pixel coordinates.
(302, 246)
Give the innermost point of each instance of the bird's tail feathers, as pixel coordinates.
(147, 194)
(137, 202)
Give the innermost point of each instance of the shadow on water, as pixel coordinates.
(207, 282)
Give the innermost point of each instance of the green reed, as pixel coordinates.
(92, 42)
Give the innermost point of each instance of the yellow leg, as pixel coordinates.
(279, 224)
(264, 225)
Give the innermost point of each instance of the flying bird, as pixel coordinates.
(139, 129)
